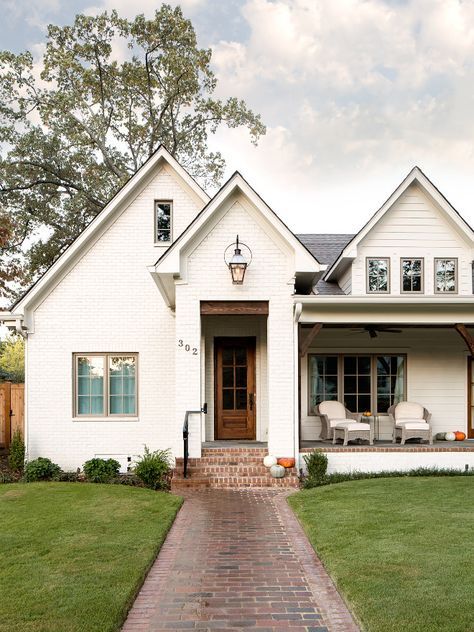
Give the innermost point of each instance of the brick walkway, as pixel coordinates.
(234, 560)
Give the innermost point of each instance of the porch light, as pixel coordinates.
(238, 264)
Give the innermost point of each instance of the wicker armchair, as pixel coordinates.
(410, 421)
(332, 414)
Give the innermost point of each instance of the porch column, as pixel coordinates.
(281, 379)
(188, 369)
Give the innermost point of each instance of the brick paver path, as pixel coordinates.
(238, 559)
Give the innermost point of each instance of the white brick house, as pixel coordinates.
(139, 321)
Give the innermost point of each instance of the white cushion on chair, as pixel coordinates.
(333, 410)
(413, 425)
(408, 410)
(404, 422)
(353, 425)
(340, 422)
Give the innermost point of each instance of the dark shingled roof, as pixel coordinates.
(326, 248)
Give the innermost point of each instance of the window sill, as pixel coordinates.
(106, 419)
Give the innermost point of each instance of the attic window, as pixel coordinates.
(446, 275)
(378, 276)
(163, 212)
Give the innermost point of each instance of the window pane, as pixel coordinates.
(445, 275)
(350, 365)
(83, 386)
(97, 405)
(83, 405)
(228, 376)
(240, 356)
(350, 384)
(363, 365)
(97, 385)
(227, 356)
(228, 399)
(163, 221)
(128, 385)
(241, 398)
(390, 381)
(90, 385)
(350, 402)
(241, 376)
(122, 385)
(331, 365)
(323, 379)
(363, 384)
(129, 405)
(115, 384)
(116, 407)
(363, 403)
(330, 387)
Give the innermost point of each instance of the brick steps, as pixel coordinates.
(230, 468)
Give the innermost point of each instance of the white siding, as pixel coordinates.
(345, 282)
(413, 227)
(109, 303)
(436, 373)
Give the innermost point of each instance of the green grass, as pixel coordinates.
(400, 550)
(73, 555)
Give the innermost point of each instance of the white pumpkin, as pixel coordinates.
(277, 471)
(269, 460)
(450, 436)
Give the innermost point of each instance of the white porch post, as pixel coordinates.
(281, 368)
(188, 368)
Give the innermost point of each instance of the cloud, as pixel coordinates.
(363, 89)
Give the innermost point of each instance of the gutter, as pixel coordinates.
(13, 321)
(382, 300)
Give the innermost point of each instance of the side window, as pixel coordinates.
(163, 221)
(446, 275)
(378, 276)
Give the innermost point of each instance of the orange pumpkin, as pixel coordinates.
(460, 436)
(286, 462)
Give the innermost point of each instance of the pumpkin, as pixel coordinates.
(450, 436)
(441, 436)
(460, 436)
(277, 471)
(269, 460)
(286, 462)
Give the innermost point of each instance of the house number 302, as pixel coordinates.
(187, 347)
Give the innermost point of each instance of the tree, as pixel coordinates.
(12, 359)
(109, 92)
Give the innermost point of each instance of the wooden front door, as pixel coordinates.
(235, 396)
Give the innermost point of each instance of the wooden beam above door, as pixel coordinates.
(306, 343)
(234, 307)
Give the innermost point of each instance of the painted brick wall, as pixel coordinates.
(267, 278)
(109, 303)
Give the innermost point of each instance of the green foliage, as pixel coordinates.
(41, 469)
(316, 465)
(101, 470)
(12, 359)
(153, 468)
(318, 477)
(16, 458)
(72, 137)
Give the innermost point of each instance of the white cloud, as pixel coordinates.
(363, 89)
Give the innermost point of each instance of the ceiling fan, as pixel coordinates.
(374, 330)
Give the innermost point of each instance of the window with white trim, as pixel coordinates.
(105, 385)
(446, 272)
(163, 220)
(378, 275)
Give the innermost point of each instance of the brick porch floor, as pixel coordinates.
(238, 559)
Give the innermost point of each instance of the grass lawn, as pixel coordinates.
(400, 550)
(73, 555)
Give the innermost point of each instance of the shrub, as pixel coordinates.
(101, 470)
(69, 477)
(317, 465)
(16, 458)
(153, 468)
(41, 469)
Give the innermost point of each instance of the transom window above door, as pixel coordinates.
(361, 382)
(378, 275)
(105, 385)
(412, 275)
(163, 221)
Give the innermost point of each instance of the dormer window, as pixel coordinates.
(446, 273)
(412, 275)
(163, 213)
(378, 276)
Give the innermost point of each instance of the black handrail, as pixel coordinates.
(186, 436)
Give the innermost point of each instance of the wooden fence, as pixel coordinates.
(12, 411)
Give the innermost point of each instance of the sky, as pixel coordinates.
(354, 93)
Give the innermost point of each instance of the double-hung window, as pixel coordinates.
(378, 275)
(105, 385)
(446, 272)
(362, 382)
(412, 275)
(163, 217)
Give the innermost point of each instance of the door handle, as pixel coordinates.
(251, 400)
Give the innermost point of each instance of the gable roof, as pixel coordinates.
(349, 252)
(161, 155)
(170, 264)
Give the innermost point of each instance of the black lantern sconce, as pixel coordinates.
(237, 263)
